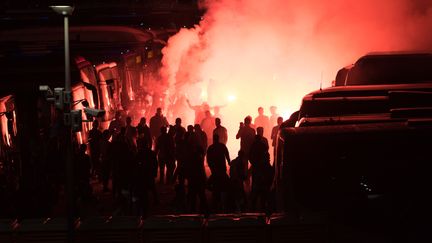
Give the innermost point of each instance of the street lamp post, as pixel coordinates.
(66, 11)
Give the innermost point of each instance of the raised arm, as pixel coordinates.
(190, 106)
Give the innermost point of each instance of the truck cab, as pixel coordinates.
(360, 152)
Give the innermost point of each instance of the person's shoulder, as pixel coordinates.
(210, 148)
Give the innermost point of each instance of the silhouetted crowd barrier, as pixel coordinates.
(169, 228)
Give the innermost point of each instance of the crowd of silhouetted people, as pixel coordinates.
(136, 158)
(129, 161)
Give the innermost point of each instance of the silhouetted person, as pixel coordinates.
(116, 124)
(144, 132)
(217, 156)
(105, 158)
(237, 177)
(165, 154)
(189, 150)
(195, 172)
(261, 170)
(199, 111)
(275, 130)
(179, 129)
(95, 136)
(207, 125)
(274, 115)
(156, 122)
(145, 172)
(274, 133)
(171, 166)
(263, 121)
(83, 172)
(122, 161)
(181, 158)
(246, 134)
(201, 137)
(221, 131)
(130, 133)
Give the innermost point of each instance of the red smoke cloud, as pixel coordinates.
(250, 53)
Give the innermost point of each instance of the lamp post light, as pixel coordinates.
(67, 11)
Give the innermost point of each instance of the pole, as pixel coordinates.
(70, 198)
(67, 56)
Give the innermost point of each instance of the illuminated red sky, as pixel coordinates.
(251, 53)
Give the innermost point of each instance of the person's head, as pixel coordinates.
(260, 110)
(143, 121)
(197, 127)
(273, 109)
(279, 120)
(190, 128)
(178, 121)
(171, 130)
(95, 124)
(215, 138)
(128, 120)
(218, 121)
(163, 129)
(159, 111)
(248, 120)
(260, 131)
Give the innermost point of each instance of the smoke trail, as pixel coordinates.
(250, 53)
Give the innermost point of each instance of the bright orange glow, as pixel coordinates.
(274, 52)
(231, 98)
(6, 136)
(80, 137)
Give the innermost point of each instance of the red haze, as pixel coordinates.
(250, 53)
